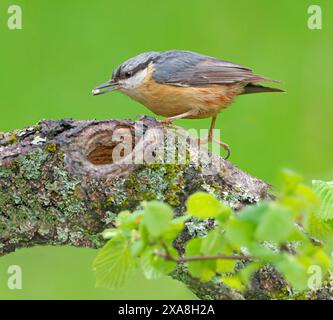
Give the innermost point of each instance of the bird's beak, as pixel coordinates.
(105, 87)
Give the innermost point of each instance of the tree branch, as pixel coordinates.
(63, 182)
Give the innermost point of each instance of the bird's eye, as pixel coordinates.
(128, 74)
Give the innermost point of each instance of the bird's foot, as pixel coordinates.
(224, 145)
(142, 117)
(165, 121)
(168, 123)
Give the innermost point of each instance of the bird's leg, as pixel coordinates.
(210, 133)
(211, 139)
(179, 116)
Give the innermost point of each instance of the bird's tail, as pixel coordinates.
(256, 88)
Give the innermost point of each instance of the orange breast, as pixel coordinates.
(169, 100)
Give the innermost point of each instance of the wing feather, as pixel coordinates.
(184, 68)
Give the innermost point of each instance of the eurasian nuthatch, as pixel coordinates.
(182, 84)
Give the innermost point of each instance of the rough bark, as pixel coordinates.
(60, 184)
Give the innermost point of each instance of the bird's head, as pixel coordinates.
(129, 75)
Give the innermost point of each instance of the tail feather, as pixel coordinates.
(256, 88)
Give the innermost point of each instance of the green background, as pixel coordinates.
(66, 47)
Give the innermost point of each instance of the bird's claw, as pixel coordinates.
(165, 122)
(168, 123)
(225, 147)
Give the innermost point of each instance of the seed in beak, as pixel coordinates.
(96, 91)
(105, 87)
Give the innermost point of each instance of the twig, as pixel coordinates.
(215, 257)
(167, 256)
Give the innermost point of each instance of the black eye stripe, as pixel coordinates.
(135, 65)
(121, 74)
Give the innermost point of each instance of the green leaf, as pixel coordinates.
(290, 180)
(157, 217)
(138, 247)
(301, 202)
(233, 282)
(155, 267)
(306, 194)
(109, 233)
(239, 233)
(224, 265)
(294, 272)
(297, 196)
(322, 259)
(248, 271)
(140, 240)
(254, 213)
(127, 221)
(263, 253)
(193, 247)
(225, 213)
(276, 225)
(319, 228)
(298, 235)
(203, 205)
(175, 227)
(324, 191)
(122, 216)
(215, 243)
(147, 267)
(114, 263)
(203, 269)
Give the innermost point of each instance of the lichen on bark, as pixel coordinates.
(59, 185)
(40, 202)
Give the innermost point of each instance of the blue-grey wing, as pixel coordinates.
(184, 68)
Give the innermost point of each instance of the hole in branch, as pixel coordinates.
(108, 147)
(102, 154)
